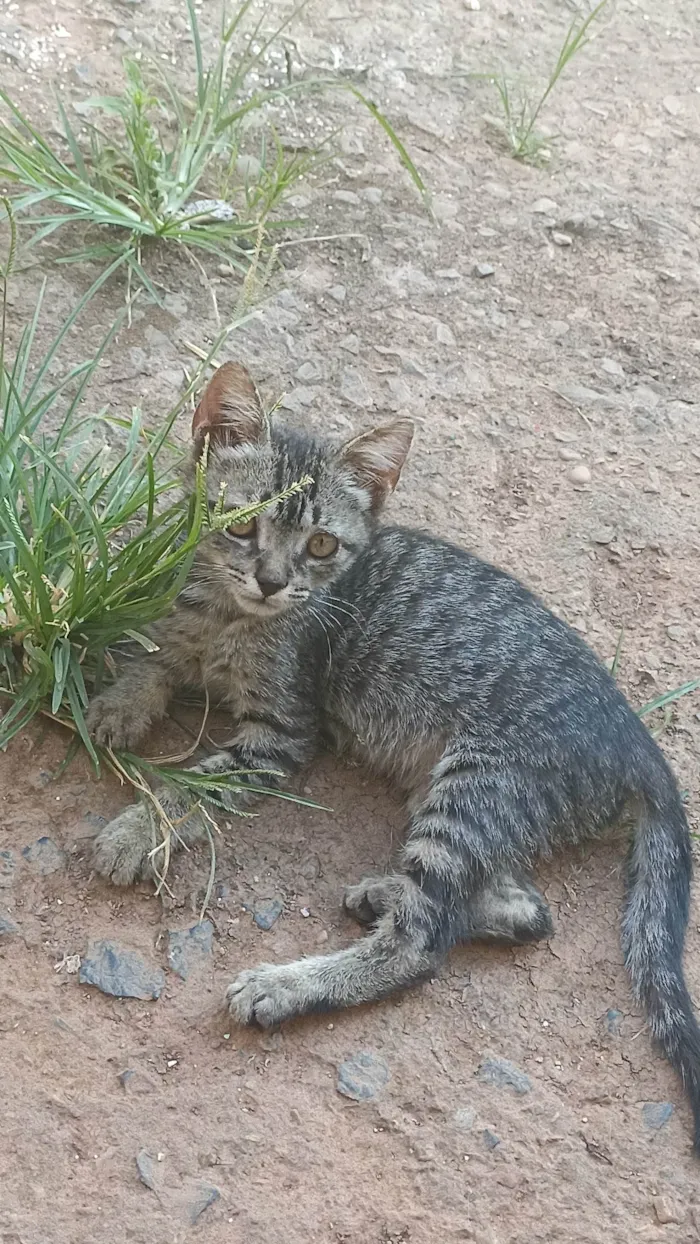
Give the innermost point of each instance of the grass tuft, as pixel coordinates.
(163, 167)
(95, 543)
(521, 110)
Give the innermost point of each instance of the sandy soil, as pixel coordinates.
(583, 354)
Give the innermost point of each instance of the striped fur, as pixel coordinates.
(505, 733)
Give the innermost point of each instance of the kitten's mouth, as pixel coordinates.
(263, 606)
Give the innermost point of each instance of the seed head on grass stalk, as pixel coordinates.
(155, 176)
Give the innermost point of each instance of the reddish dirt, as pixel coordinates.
(591, 349)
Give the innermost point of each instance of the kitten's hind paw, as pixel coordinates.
(268, 994)
(121, 850)
(372, 897)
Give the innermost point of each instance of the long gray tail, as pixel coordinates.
(653, 932)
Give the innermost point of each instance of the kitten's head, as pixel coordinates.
(272, 564)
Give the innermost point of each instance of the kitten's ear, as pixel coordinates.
(230, 411)
(376, 458)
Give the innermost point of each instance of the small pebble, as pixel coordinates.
(44, 856)
(561, 239)
(613, 1022)
(346, 196)
(145, 1165)
(136, 1082)
(205, 1196)
(189, 947)
(483, 269)
(490, 1139)
(656, 1114)
(7, 926)
(667, 1211)
(121, 973)
(465, 1118)
(569, 455)
(580, 474)
(362, 1076)
(503, 1074)
(265, 914)
(545, 207)
(8, 866)
(338, 293)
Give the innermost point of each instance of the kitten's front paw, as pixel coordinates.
(113, 722)
(121, 850)
(267, 995)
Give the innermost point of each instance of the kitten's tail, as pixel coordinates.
(659, 873)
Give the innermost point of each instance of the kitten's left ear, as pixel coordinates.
(230, 411)
(376, 458)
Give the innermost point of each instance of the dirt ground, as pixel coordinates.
(585, 354)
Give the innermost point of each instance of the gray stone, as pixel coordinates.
(604, 535)
(136, 1082)
(338, 293)
(265, 914)
(7, 926)
(8, 866)
(362, 1076)
(545, 207)
(611, 367)
(308, 373)
(85, 73)
(444, 335)
(146, 1167)
(346, 196)
(205, 1195)
(490, 1139)
(562, 239)
(613, 1022)
(121, 973)
(656, 1114)
(187, 948)
(44, 856)
(465, 1118)
(353, 388)
(483, 269)
(503, 1074)
(372, 194)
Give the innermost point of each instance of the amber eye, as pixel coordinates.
(242, 530)
(322, 544)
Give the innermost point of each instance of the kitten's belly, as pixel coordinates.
(406, 760)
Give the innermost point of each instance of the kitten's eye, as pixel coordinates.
(242, 530)
(322, 544)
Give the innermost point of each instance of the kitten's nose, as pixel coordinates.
(269, 583)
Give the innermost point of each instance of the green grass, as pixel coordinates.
(95, 542)
(521, 108)
(169, 168)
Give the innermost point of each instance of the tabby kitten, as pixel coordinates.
(315, 626)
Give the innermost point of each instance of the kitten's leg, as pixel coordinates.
(509, 909)
(397, 954)
(122, 849)
(475, 826)
(264, 749)
(123, 714)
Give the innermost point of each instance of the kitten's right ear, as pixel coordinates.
(230, 411)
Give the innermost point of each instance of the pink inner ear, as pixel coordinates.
(229, 409)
